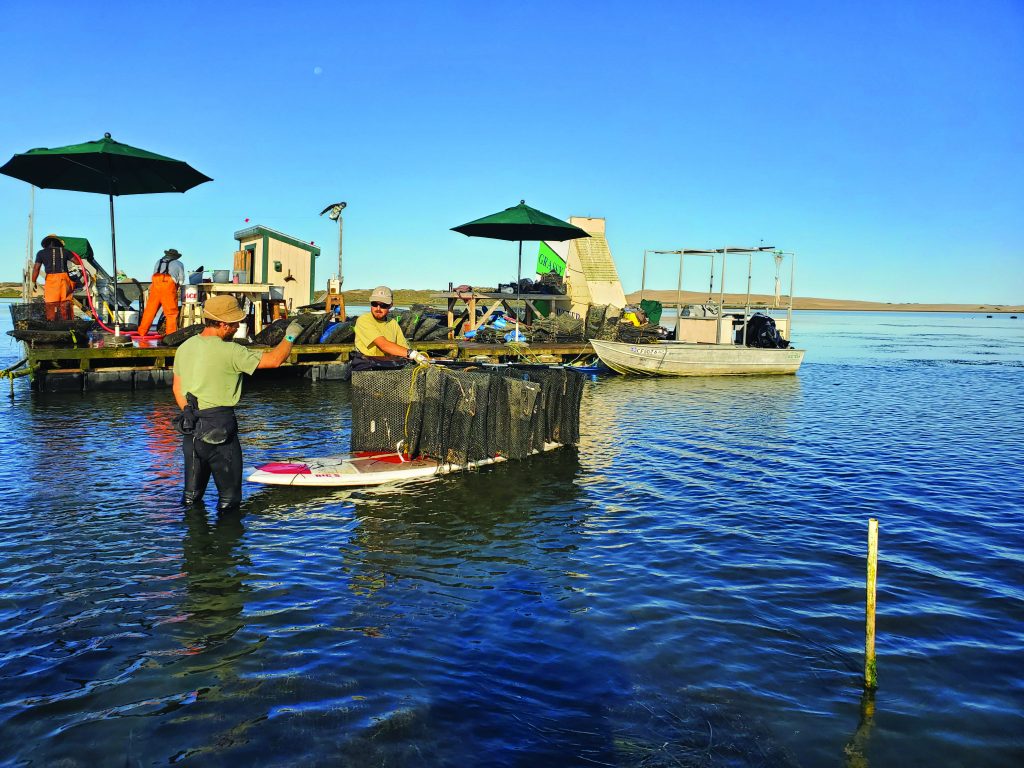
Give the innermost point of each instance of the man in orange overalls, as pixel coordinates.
(58, 288)
(168, 274)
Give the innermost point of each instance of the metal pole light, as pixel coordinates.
(333, 212)
(26, 277)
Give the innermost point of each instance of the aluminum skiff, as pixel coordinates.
(680, 358)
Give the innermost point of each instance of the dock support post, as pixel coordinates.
(870, 668)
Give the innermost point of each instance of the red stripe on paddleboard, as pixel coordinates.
(387, 458)
(284, 468)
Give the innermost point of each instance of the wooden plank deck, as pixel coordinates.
(153, 364)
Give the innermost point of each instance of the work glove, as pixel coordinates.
(418, 357)
(291, 333)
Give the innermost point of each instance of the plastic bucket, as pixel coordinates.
(222, 275)
(191, 294)
(127, 317)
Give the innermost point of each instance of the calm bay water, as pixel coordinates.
(685, 589)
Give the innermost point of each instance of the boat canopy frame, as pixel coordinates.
(724, 252)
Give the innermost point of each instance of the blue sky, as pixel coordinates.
(882, 142)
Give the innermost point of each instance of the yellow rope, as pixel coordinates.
(412, 391)
(9, 373)
(13, 372)
(521, 350)
(577, 359)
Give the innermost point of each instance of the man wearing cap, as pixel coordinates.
(207, 384)
(58, 288)
(378, 336)
(168, 274)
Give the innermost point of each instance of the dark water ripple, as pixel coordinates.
(686, 589)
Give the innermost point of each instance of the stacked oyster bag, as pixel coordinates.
(460, 416)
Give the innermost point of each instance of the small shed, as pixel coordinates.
(268, 256)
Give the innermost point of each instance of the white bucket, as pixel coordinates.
(243, 330)
(127, 317)
(191, 294)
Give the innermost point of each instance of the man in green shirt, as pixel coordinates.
(208, 372)
(378, 336)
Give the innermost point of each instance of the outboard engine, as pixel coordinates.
(761, 332)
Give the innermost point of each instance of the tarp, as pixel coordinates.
(79, 245)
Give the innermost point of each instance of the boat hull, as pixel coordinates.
(680, 358)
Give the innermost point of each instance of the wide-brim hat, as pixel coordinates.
(172, 253)
(224, 309)
(50, 237)
(383, 294)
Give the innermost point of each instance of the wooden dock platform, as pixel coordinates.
(56, 369)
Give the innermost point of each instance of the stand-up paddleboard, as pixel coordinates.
(349, 471)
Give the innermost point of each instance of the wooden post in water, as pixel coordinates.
(870, 669)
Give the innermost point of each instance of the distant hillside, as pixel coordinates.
(803, 302)
(408, 296)
(403, 296)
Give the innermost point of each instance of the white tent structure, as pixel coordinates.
(589, 269)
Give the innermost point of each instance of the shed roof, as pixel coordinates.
(260, 231)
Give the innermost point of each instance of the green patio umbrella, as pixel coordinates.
(521, 222)
(106, 167)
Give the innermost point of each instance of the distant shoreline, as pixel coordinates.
(408, 296)
(668, 298)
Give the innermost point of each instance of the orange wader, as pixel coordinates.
(57, 292)
(163, 292)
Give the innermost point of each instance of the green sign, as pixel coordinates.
(548, 260)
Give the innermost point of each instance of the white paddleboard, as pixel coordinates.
(347, 471)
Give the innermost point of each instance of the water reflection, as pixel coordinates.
(480, 572)
(163, 446)
(215, 588)
(855, 751)
(628, 406)
(451, 524)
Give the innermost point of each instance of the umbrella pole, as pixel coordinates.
(519, 292)
(113, 251)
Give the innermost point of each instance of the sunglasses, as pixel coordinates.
(380, 305)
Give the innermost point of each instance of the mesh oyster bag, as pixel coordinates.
(459, 416)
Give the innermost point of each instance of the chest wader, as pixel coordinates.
(57, 287)
(212, 448)
(163, 294)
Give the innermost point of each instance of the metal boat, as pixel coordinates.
(680, 358)
(730, 336)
